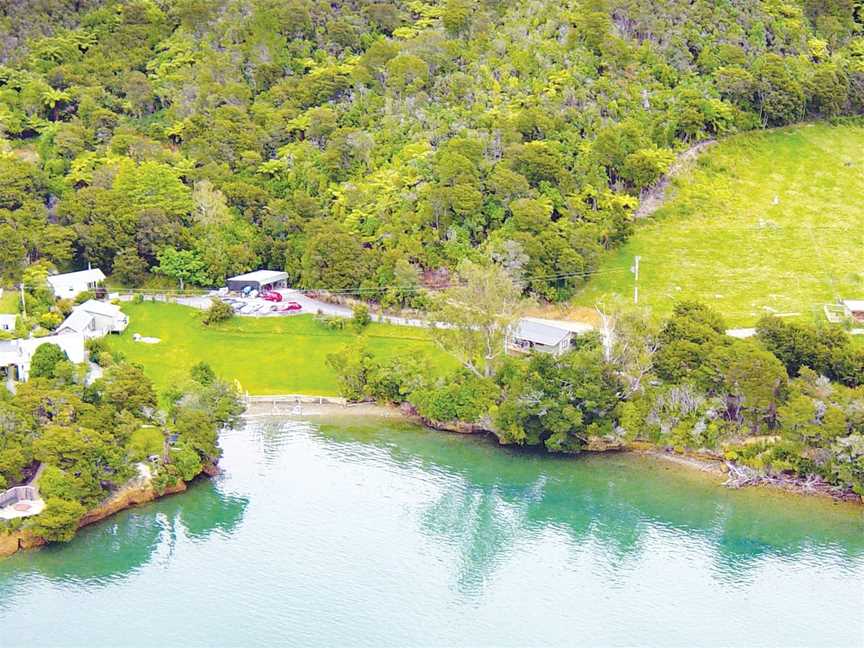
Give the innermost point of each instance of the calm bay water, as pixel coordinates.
(375, 533)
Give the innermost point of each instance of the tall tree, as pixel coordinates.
(182, 265)
(473, 317)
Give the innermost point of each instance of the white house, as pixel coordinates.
(94, 319)
(7, 322)
(72, 284)
(8, 358)
(17, 355)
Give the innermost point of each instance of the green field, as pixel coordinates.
(284, 355)
(764, 222)
(9, 302)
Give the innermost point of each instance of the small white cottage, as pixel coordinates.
(94, 319)
(72, 284)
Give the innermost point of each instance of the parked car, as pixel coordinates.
(271, 296)
(290, 306)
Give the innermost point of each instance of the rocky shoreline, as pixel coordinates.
(735, 475)
(141, 491)
(136, 492)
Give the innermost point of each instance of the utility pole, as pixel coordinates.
(23, 301)
(635, 271)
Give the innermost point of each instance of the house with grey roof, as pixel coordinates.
(94, 319)
(533, 335)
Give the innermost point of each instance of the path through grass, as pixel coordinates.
(284, 355)
(770, 220)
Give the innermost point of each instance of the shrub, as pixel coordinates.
(45, 360)
(50, 320)
(187, 462)
(65, 306)
(58, 484)
(83, 296)
(352, 366)
(463, 397)
(219, 311)
(59, 521)
(361, 317)
(203, 374)
(397, 378)
(96, 347)
(331, 322)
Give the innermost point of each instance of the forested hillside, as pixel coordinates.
(359, 144)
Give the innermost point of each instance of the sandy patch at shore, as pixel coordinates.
(265, 409)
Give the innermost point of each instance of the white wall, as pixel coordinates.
(71, 343)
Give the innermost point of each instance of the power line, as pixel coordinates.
(358, 289)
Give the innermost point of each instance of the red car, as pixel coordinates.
(290, 306)
(271, 296)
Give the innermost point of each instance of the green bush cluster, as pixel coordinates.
(88, 438)
(683, 384)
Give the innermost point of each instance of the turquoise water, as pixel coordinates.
(380, 534)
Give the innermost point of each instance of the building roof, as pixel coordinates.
(77, 321)
(540, 333)
(7, 319)
(579, 328)
(9, 354)
(82, 276)
(855, 305)
(261, 276)
(82, 315)
(99, 308)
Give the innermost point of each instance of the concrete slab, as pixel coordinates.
(22, 508)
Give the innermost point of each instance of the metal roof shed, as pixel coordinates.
(528, 335)
(258, 280)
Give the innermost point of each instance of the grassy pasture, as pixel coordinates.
(764, 222)
(280, 355)
(9, 301)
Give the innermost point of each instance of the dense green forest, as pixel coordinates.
(364, 146)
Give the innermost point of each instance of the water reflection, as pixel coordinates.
(492, 499)
(489, 501)
(115, 548)
(369, 530)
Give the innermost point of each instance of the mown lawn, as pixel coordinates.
(765, 222)
(284, 355)
(9, 302)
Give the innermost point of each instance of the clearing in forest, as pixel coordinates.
(767, 222)
(273, 355)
